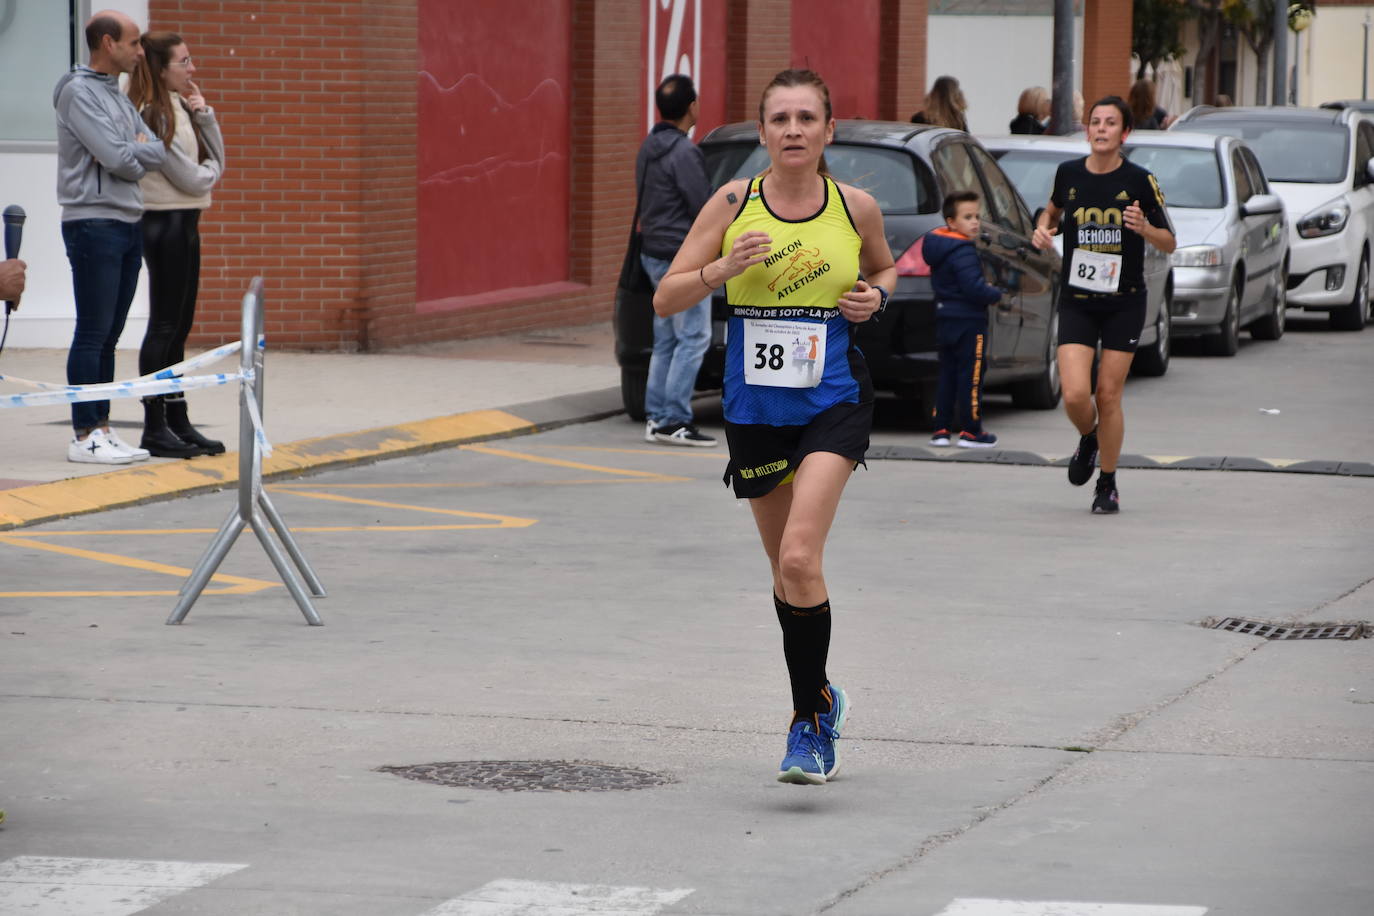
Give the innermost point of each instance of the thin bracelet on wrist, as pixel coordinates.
(702, 273)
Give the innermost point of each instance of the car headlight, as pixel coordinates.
(1325, 220)
(1196, 256)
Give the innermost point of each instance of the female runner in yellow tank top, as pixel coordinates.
(793, 472)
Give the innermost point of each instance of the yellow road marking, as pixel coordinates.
(576, 465)
(238, 585)
(502, 521)
(241, 585)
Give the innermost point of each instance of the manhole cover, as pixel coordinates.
(531, 775)
(1270, 630)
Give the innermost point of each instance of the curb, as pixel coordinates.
(131, 486)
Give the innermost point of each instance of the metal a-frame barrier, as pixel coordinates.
(253, 508)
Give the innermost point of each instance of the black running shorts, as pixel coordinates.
(763, 457)
(1118, 327)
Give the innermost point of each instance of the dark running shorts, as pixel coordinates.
(763, 457)
(1117, 327)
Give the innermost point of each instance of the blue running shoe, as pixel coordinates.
(831, 723)
(804, 764)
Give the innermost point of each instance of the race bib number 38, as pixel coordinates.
(1099, 273)
(783, 354)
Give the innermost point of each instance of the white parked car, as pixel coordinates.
(1320, 161)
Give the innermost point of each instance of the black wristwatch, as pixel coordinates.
(882, 303)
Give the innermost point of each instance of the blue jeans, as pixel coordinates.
(105, 255)
(680, 342)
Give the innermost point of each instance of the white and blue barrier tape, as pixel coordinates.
(165, 381)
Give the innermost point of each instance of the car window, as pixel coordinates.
(1307, 153)
(1007, 209)
(1243, 189)
(1188, 177)
(956, 171)
(1364, 151)
(899, 182)
(1032, 172)
(1257, 179)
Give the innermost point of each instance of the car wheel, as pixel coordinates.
(633, 384)
(1043, 391)
(1352, 316)
(1226, 340)
(1271, 326)
(1154, 362)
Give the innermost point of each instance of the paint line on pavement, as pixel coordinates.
(982, 907)
(575, 465)
(518, 898)
(98, 887)
(147, 481)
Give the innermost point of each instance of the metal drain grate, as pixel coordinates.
(1269, 630)
(531, 775)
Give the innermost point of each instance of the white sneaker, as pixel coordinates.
(97, 449)
(649, 427)
(138, 454)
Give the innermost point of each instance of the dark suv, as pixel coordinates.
(908, 169)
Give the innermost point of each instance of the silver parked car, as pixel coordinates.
(1231, 263)
(1030, 162)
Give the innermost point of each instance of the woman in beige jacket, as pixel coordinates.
(173, 108)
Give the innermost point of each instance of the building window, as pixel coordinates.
(38, 43)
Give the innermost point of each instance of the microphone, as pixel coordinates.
(14, 234)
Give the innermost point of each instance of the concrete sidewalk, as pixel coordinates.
(321, 410)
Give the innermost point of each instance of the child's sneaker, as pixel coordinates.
(984, 439)
(940, 438)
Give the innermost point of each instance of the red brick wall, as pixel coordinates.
(759, 45)
(1106, 49)
(844, 49)
(293, 86)
(318, 104)
(902, 65)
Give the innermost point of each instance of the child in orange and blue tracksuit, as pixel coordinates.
(962, 298)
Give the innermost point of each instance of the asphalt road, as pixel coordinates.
(1041, 725)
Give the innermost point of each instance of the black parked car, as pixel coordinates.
(908, 168)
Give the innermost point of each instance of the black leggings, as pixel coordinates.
(171, 246)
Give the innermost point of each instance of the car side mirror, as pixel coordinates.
(1369, 169)
(1261, 204)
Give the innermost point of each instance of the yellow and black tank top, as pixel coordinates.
(789, 352)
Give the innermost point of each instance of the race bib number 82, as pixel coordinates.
(1100, 273)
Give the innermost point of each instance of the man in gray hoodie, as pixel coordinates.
(102, 152)
(672, 173)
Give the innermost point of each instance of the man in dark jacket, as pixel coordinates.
(672, 173)
(962, 298)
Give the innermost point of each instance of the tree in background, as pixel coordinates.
(1155, 28)
(1254, 19)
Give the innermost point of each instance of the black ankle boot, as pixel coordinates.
(160, 441)
(179, 423)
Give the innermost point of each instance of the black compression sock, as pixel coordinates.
(806, 646)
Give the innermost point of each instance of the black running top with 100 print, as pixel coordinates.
(1103, 260)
